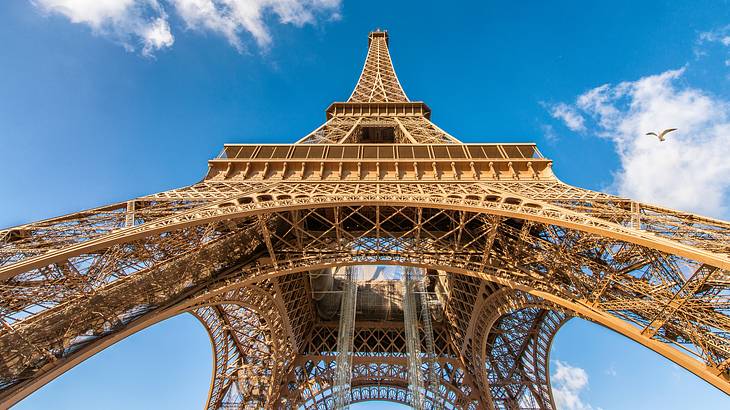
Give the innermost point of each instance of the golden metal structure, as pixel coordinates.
(509, 254)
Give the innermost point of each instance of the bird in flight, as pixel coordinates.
(662, 135)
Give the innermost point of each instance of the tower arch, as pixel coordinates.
(505, 247)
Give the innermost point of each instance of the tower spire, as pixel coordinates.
(378, 82)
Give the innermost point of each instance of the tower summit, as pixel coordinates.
(378, 82)
(378, 258)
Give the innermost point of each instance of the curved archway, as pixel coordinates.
(585, 289)
(571, 306)
(489, 201)
(392, 386)
(597, 348)
(575, 307)
(243, 356)
(515, 352)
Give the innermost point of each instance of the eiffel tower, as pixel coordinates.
(377, 258)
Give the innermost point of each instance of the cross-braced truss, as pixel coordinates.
(509, 253)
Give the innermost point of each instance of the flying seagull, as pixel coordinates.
(662, 134)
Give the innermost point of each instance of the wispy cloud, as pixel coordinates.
(713, 40)
(230, 18)
(688, 171)
(548, 131)
(145, 24)
(611, 371)
(720, 35)
(133, 23)
(568, 382)
(568, 115)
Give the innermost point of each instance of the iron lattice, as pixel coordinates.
(509, 252)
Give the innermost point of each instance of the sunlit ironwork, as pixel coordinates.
(507, 252)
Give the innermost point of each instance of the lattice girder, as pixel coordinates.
(378, 82)
(380, 360)
(244, 365)
(508, 249)
(531, 256)
(180, 206)
(475, 308)
(369, 378)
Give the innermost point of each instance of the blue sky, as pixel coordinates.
(99, 105)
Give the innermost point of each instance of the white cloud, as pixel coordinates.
(133, 23)
(548, 131)
(96, 13)
(568, 382)
(231, 17)
(145, 24)
(568, 115)
(157, 35)
(719, 38)
(721, 35)
(690, 170)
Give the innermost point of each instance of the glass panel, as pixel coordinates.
(300, 152)
(527, 151)
(385, 152)
(456, 152)
(420, 151)
(440, 151)
(350, 152)
(246, 152)
(316, 151)
(476, 151)
(265, 152)
(492, 151)
(512, 151)
(370, 152)
(335, 152)
(280, 151)
(229, 152)
(405, 152)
